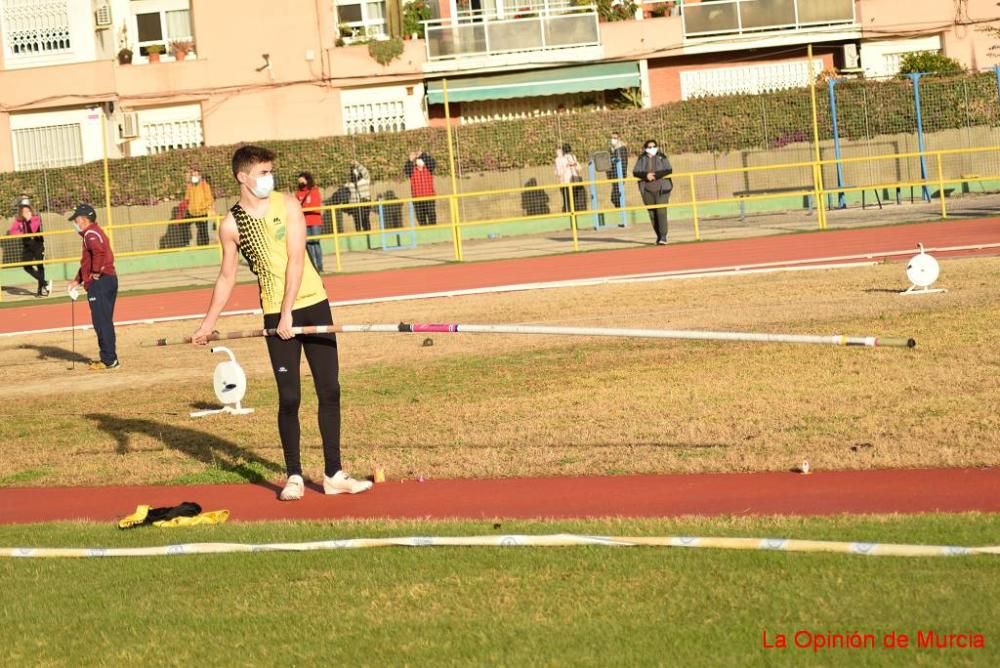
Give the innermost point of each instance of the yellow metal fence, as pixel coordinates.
(807, 179)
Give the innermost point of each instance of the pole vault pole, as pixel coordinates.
(691, 335)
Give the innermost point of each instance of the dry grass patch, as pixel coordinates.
(484, 405)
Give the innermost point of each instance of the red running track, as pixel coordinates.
(822, 493)
(706, 255)
(903, 491)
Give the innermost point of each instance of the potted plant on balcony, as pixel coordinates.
(414, 15)
(154, 51)
(181, 48)
(125, 56)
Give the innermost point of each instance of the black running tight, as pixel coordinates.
(286, 357)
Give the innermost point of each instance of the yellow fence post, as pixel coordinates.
(456, 228)
(694, 208)
(336, 238)
(572, 217)
(818, 194)
(944, 206)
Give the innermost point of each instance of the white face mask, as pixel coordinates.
(419, 162)
(651, 151)
(615, 143)
(264, 187)
(195, 180)
(76, 226)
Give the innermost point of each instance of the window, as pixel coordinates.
(161, 22)
(358, 18)
(48, 147)
(505, 110)
(372, 117)
(35, 27)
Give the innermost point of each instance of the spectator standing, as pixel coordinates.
(568, 172)
(97, 275)
(309, 197)
(653, 170)
(200, 203)
(619, 168)
(420, 170)
(28, 225)
(359, 184)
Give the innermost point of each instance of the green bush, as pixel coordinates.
(703, 125)
(930, 62)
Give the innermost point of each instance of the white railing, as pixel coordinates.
(726, 17)
(35, 27)
(538, 28)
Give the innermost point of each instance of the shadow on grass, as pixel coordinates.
(206, 448)
(55, 352)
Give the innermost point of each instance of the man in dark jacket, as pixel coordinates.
(619, 168)
(653, 169)
(97, 274)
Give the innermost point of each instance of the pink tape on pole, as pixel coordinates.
(432, 327)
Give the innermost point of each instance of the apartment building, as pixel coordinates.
(146, 76)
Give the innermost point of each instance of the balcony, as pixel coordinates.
(488, 34)
(752, 17)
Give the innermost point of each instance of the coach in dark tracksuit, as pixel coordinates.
(97, 274)
(653, 169)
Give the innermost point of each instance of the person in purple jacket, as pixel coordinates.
(28, 225)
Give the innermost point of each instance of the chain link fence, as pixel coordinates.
(737, 160)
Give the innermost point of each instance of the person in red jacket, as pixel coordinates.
(97, 275)
(420, 170)
(309, 196)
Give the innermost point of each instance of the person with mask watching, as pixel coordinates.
(269, 230)
(309, 197)
(98, 277)
(200, 203)
(653, 170)
(28, 225)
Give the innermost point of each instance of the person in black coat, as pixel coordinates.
(653, 170)
(619, 167)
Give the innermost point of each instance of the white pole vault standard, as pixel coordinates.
(553, 540)
(435, 328)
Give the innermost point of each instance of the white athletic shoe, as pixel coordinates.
(341, 483)
(295, 488)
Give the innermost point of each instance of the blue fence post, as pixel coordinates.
(841, 199)
(381, 224)
(621, 191)
(915, 77)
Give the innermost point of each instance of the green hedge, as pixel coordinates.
(715, 125)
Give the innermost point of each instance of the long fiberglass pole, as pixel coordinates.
(439, 328)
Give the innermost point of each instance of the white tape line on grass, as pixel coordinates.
(556, 540)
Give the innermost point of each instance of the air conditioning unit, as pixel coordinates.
(128, 128)
(102, 17)
(851, 59)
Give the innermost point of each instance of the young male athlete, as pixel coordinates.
(269, 230)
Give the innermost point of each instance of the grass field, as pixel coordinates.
(488, 406)
(497, 606)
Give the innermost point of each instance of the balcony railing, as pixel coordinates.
(727, 17)
(487, 34)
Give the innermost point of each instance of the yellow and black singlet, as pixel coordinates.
(262, 242)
